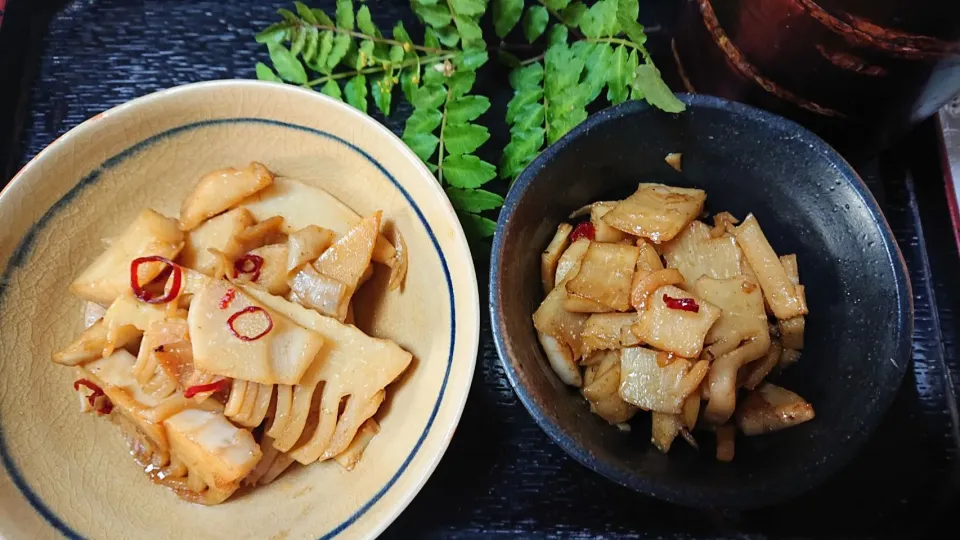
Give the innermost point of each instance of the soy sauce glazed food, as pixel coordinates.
(648, 308)
(222, 344)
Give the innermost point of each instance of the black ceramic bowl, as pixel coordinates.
(809, 201)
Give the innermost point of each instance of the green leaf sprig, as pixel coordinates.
(588, 49)
(590, 52)
(353, 61)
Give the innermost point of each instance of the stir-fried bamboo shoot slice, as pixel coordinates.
(695, 253)
(212, 448)
(92, 342)
(270, 466)
(606, 273)
(601, 231)
(569, 263)
(646, 282)
(218, 233)
(723, 377)
(772, 408)
(320, 292)
(553, 320)
(272, 274)
(351, 364)
(302, 205)
(349, 258)
(649, 260)
(609, 331)
(108, 276)
(675, 330)
(791, 330)
(742, 315)
(754, 374)
(114, 375)
(603, 394)
(561, 360)
(245, 340)
(551, 256)
(656, 211)
(349, 458)
(305, 245)
(779, 291)
(221, 190)
(652, 387)
(665, 428)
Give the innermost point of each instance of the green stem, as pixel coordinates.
(546, 116)
(443, 125)
(535, 59)
(376, 39)
(415, 61)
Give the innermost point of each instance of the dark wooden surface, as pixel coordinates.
(61, 63)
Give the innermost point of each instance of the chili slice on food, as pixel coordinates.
(147, 296)
(584, 229)
(683, 304)
(248, 264)
(222, 384)
(245, 311)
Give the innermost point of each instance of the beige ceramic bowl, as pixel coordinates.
(70, 474)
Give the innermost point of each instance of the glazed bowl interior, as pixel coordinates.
(69, 474)
(808, 201)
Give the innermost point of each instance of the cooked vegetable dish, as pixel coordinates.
(649, 308)
(222, 342)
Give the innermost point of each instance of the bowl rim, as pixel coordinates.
(763, 494)
(465, 336)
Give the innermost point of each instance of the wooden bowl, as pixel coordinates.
(68, 474)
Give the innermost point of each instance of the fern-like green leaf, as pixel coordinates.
(460, 83)
(473, 200)
(535, 22)
(306, 13)
(287, 65)
(341, 45)
(470, 33)
(332, 89)
(466, 171)
(429, 96)
(463, 138)
(423, 121)
(264, 73)
(470, 8)
(365, 22)
(436, 15)
(355, 92)
(345, 18)
(618, 76)
(322, 18)
(647, 80)
(573, 14)
(506, 15)
(422, 144)
(466, 109)
(382, 91)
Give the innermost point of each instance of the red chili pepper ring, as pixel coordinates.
(146, 296)
(245, 311)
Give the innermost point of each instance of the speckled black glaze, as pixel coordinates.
(808, 201)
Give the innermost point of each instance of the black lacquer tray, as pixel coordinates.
(62, 62)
